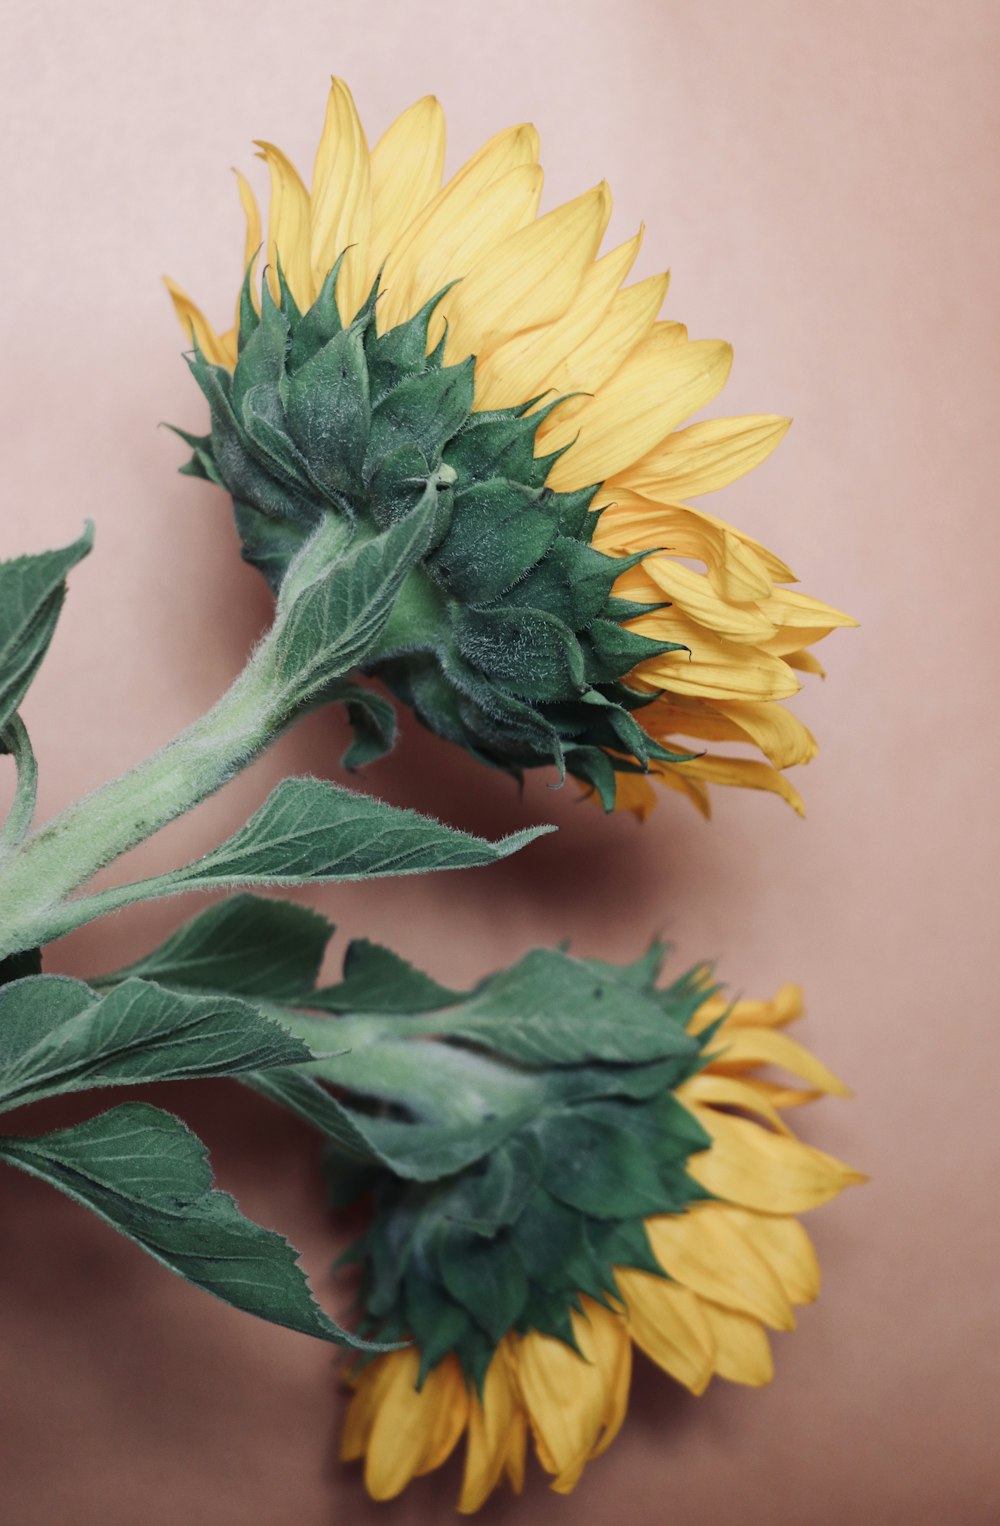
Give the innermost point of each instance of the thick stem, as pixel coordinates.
(66, 852)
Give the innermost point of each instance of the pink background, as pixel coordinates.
(819, 179)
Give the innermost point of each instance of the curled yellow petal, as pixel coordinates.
(712, 667)
(743, 773)
(693, 593)
(252, 240)
(704, 1251)
(778, 733)
(784, 1007)
(197, 325)
(729, 1091)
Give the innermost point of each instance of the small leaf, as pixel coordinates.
(377, 980)
(14, 740)
(146, 1174)
(32, 589)
(245, 946)
(57, 1035)
(550, 1009)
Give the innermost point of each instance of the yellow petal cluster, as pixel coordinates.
(736, 1268)
(545, 313)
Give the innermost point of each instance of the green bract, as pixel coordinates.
(505, 636)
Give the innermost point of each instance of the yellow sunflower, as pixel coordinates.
(546, 316)
(735, 1266)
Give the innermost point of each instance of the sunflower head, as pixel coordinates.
(506, 637)
(563, 1164)
(575, 606)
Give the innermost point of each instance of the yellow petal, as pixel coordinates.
(728, 1091)
(530, 278)
(740, 1047)
(705, 1252)
(534, 361)
(252, 240)
(660, 384)
(693, 593)
(490, 1426)
(785, 1246)
(777, 570)
(754, 1168)
(785, 1006)
(668, 1323)
(407, 163)
(805, 662)
(743, 773)
(369, 1385)
(197, 325)
(504, 207)
(792, 610)
(413, 1432)
(692, 788)
(287, 227)
(713, 668)
(517, 1446)
(341, 203)
(742, 1349)
(450, 214)
(708, 455)
(635, 794)
(778, 733)
(735, 569)
(569, 1397)
(629, 319)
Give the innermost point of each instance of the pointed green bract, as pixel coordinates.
(504, 635)
(32, 589)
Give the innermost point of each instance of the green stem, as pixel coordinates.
(67, 852)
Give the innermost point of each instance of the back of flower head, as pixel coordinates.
(403, 327)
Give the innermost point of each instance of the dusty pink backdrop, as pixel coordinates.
(819, 180)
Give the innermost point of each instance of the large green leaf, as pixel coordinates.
(57, 1035)
(32, 589)
(147, 1175)
(308, 830)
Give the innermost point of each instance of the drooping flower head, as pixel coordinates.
(406, 331)
(563, 1164)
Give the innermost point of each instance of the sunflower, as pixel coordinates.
(578, 586)
(723, 1272)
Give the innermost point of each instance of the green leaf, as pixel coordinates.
(57, 1035)
(32, 589)
(332, 623)
(14, 740)
(146, 1174)
(598, 1168)
(373, 724)
(377, 980)
(308, 831)
(486, 1277)
(550, 1009)
(246, 946)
